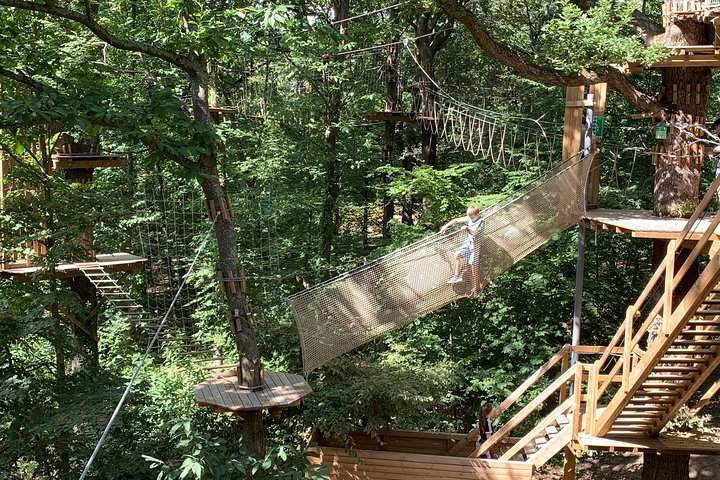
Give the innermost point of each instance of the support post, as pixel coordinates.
(569, 464)
(579, 285)
(599, 92)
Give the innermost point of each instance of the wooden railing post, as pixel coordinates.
(592, 400)
(627, 347)
(563, 368)
(577, 396)
(668, 293)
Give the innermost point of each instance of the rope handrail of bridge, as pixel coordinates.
(347, 311)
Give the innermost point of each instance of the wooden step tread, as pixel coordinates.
(708, 312)
(639, 414)
(696, 342)
(688, 351)
(663, 385)
(643, 400)
(210, 359)
(675, 368)
(702, 360)
(634, 421)
(695, 332)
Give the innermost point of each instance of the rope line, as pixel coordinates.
(149, 348)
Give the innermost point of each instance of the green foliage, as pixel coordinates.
(591, 40)
(207, 457)
(685, 421)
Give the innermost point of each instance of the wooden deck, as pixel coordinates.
(70, 161)
(664, 444)
(382, 465)
(643, 224)
(223, 394)
(111, 262)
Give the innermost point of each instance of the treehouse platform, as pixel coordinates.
(223, 393)
(71, 161)
(681, 56)
(643, 224)
(111, 262)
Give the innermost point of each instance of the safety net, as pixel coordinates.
(347, 311)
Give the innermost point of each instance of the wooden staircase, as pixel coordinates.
(169, 338)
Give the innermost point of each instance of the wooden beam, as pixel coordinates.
(572, 129)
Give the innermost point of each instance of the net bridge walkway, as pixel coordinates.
(360, 305)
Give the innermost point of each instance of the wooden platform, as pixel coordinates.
(223, 394)
(643, 224)
(381, 465)
(70, 161)
(112, 262)
(662, 444)
(682, 56)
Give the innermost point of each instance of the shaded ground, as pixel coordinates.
(618, 466)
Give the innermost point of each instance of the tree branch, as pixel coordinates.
(23, 79)
(527, 69)
(183, 62)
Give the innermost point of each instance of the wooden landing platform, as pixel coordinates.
(381, 465)
(643, 224)
(223, 394)
(111, 262)
(662, 444)
(70, 161)
(682, 56)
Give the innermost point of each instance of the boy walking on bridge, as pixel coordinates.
(470, 249)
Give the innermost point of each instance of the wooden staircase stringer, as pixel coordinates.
(687, 307)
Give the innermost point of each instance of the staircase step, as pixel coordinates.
(695, 342)
(551, 430)
(562, 420)
(624, 422)
(659, 385)
(540, 440)
(669, 377)
(676, 368)
(624, 432)
(647, 393)
(639, 414)
(645, 400)
(644, 408)
(211, 359)
(696, 332)
(683, 360)
(708, 313)
(708, 323)
(218, 367)
(687, 351)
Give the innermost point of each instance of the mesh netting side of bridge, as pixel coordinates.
(345, 312)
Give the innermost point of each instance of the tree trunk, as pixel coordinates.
(86, 354)
(250, 373)
(684, 96)
(665, 466)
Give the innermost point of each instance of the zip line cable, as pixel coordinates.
(377, 47)
(141, 363)
(369, 13)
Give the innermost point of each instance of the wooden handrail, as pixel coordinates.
(539, 428)
(514, 396)
(524, 413)
(531, 380)
(662, 270)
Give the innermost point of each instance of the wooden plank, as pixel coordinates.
(573, 121)
(662, 444)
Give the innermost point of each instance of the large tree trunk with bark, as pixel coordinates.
(665, 466)
(684, 97)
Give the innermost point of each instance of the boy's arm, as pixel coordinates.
(452, 222)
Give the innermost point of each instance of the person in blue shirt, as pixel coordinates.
(470, 249)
